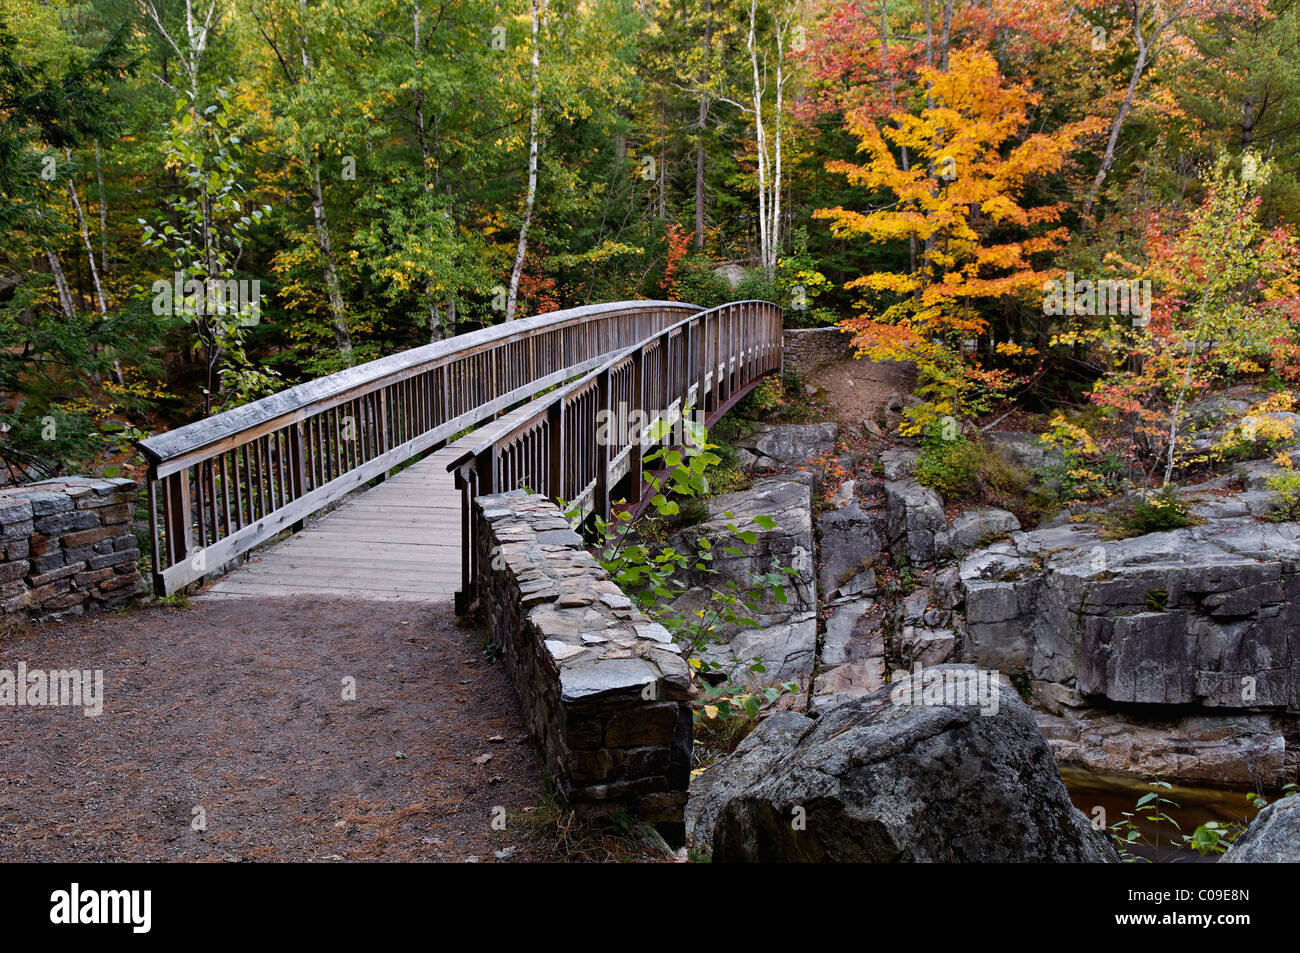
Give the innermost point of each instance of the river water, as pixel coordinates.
(1195, 806)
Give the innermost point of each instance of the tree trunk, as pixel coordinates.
(435, 319)
(103, 215)
(703, 121)
(945, 34)
(338, 314)
(760, 137)
(774, 232)
(90, 252)
(60, 283)
(534, 130)
(1108, 159)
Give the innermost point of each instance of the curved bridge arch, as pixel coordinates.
(220, 487)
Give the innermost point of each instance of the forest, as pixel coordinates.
(1086, 209)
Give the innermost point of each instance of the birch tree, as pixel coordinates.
(538, 14)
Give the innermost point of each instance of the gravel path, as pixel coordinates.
(236, 707)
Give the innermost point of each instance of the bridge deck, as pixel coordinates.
(397, 542)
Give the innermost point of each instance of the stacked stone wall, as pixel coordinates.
(604, 690)
(66, 547)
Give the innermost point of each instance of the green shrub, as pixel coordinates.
(49, 441)
(952, 467)
(1158, 513)
(967, 470)
(1287, 488)
(765, 397)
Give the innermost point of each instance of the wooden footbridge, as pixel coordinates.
(425, 431)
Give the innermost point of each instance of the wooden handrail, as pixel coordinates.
(702, 363)
(220, 486)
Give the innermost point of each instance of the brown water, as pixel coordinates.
(1195, 806)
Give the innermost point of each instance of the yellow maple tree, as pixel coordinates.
(958, 199)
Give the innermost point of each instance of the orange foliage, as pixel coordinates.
(966, 177)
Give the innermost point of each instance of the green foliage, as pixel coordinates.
(1286, 487)
(49, 441)
(1089, 471)
(1158, 512)
(1215, 837)
(952, 467)
(203, 238)
(1153, 808)
(966, 470)
(655, 575)
(766, 397)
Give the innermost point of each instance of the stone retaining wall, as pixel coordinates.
(66, 546)
(806, 349)
(604, 690)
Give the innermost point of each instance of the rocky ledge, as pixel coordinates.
(914, 772)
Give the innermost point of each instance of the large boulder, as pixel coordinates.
(1207, 616)
(903, 775)
(753, 758)
(898, 463)
(1024, 449)
(795, 444)
(1242, 750)
(1273, 837)
(975, 527)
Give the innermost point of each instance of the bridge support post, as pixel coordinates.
(555, 461)
(473, 480)
(465, 597)
(700, 349)
(600, 501)
(297, 471)
(176, 516)
(637, 412)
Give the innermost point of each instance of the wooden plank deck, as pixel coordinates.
(399, 541)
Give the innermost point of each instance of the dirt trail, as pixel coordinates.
(855, 389)
(236, 707)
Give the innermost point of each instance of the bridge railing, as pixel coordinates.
(577, 445)
(220, 486)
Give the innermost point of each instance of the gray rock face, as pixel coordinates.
(971, 528)
(915, 523)
(852, 660)
(848, 545)
(786, 649)
(1273, 837)
(1240, 750)
(897, 463)
(849, 631)
(785, 637)
(876, 781)
(752, 759)
(797, 443)
(1207, 616)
